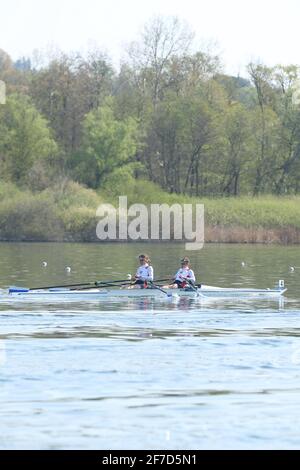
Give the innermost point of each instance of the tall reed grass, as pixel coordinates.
(67, 212)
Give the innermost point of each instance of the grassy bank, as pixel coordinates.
(67, 213)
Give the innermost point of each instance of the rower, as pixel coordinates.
(185, 275)
(144, 273)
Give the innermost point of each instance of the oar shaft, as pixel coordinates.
(110, 282)
(154, 286)
(62, 286)
(124, 282)
(88, 284)
(103, 286)
(81, 284)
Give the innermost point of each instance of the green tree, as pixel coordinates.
(107, 143)
(182, 129)
(25, 138)
(261, 77)
(288, 138)
(67, 89)
(239, 146)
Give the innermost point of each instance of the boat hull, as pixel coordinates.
(99, 294)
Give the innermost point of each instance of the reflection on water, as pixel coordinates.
(150, 373)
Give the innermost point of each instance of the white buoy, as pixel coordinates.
(292, 269)
(243, 264)
(67, 269)
(44, 264)
(129, 277)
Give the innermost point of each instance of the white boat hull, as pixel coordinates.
(99, 294)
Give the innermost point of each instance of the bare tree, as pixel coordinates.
(162, 39)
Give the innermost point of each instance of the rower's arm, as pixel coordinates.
(150, 275)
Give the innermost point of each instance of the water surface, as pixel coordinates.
(160, 374)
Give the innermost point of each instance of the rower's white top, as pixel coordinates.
(144, 273)
(185, 273)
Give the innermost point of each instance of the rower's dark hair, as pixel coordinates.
(146, 258)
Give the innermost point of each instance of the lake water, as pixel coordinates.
(150, 374)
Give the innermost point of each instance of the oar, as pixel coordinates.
(62, 286)
(82, 284)
(120, 281)
(102, 286)
(159, 288)
(194, 288)
(88, 284)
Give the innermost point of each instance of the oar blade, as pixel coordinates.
(16, 290)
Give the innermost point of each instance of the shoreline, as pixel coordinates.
(213, 235)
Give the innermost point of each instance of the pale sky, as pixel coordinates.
(265, 30)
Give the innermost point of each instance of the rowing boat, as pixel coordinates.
(204, 291)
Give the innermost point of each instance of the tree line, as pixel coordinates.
(169, 115)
